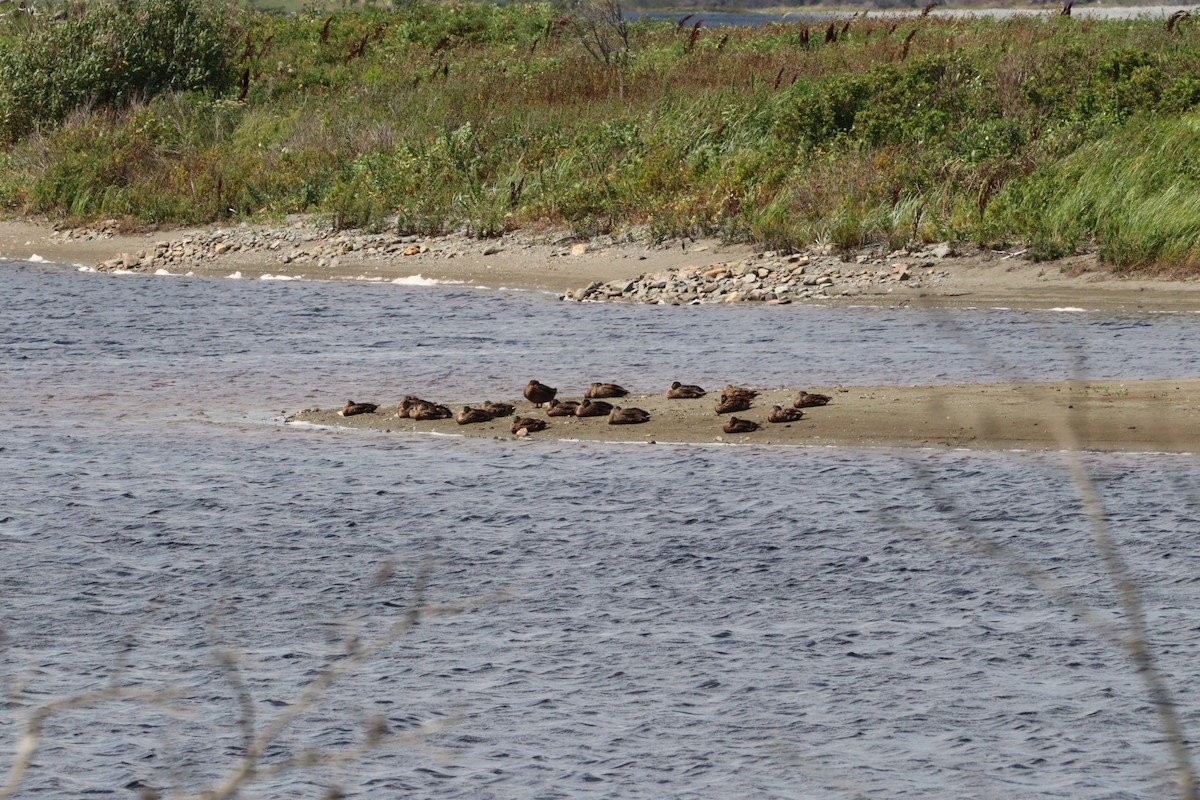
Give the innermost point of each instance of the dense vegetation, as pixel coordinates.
(1058, 132)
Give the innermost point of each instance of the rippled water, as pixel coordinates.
(628, 621)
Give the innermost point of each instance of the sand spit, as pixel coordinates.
(1133, 416)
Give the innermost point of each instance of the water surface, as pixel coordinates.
(628, 621)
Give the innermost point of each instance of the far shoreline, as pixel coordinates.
(557, 262)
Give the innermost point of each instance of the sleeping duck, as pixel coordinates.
(781, 414)
(351, 408)
(470, 415)
(599, 390)
(735, 425)
(728, 405)
(593, 408)
(681, 391)
(560, 408)
(527, 424)
(806, 400)
(628, 416)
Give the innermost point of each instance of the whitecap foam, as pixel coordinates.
(269, 277)
(78, 267)
(296, 423)
(161, 271)
(36, 259)
(237, 276)
(1069, 308)
(419, 280)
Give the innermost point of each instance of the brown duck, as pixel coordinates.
(728, 405)
(735, 425)
(469, 416)
(528, 424)
(409, 402)
(628, 416)
(559, 408)
(498, 409)
(427, 411)
(593, 408)
(351, 408)
(599, 390)
(538, 393)
(738, 391)
(681, 391)
(806, 400)
(781, 414)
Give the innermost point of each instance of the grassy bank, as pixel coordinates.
(1056, 132)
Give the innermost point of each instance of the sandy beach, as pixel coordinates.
(1156, 415)
(1135, 416)
(554, 261)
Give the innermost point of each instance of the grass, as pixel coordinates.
(1067, 134)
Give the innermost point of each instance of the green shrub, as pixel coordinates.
(111, 55)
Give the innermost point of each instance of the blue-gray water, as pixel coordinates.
(674, 621)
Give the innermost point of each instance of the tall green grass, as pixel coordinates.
(1135, 194)
(488, 118)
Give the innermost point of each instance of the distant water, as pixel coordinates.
(755, 19)
(678, 622)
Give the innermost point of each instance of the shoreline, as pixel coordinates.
(1109, 416)
(1160, 415)
(608, 268)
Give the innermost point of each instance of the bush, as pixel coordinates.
(111, 55)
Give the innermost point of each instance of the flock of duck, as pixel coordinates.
(731, 400)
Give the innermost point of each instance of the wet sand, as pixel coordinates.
(1134, 416)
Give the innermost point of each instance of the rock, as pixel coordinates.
(732, 297)
(579, 249)
(411, 250)
(943, 250)
(491, 250)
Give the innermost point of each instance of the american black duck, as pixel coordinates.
(539, 393)
(735, 425)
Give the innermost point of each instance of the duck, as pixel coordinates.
(738, 391)
(593, 408)
(735, 425)
(781, 414)
(538, 393)
(728, 405)
(628, 416)
(559, 408)
(498, 409)
(351, 408)
(408, 402)
(599, 390)
(470, 415)
(806, 400)
(680, 391)
(528, 424)
(427, 411)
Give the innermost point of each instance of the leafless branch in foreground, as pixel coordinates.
(250, 766)
(1133, 637)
